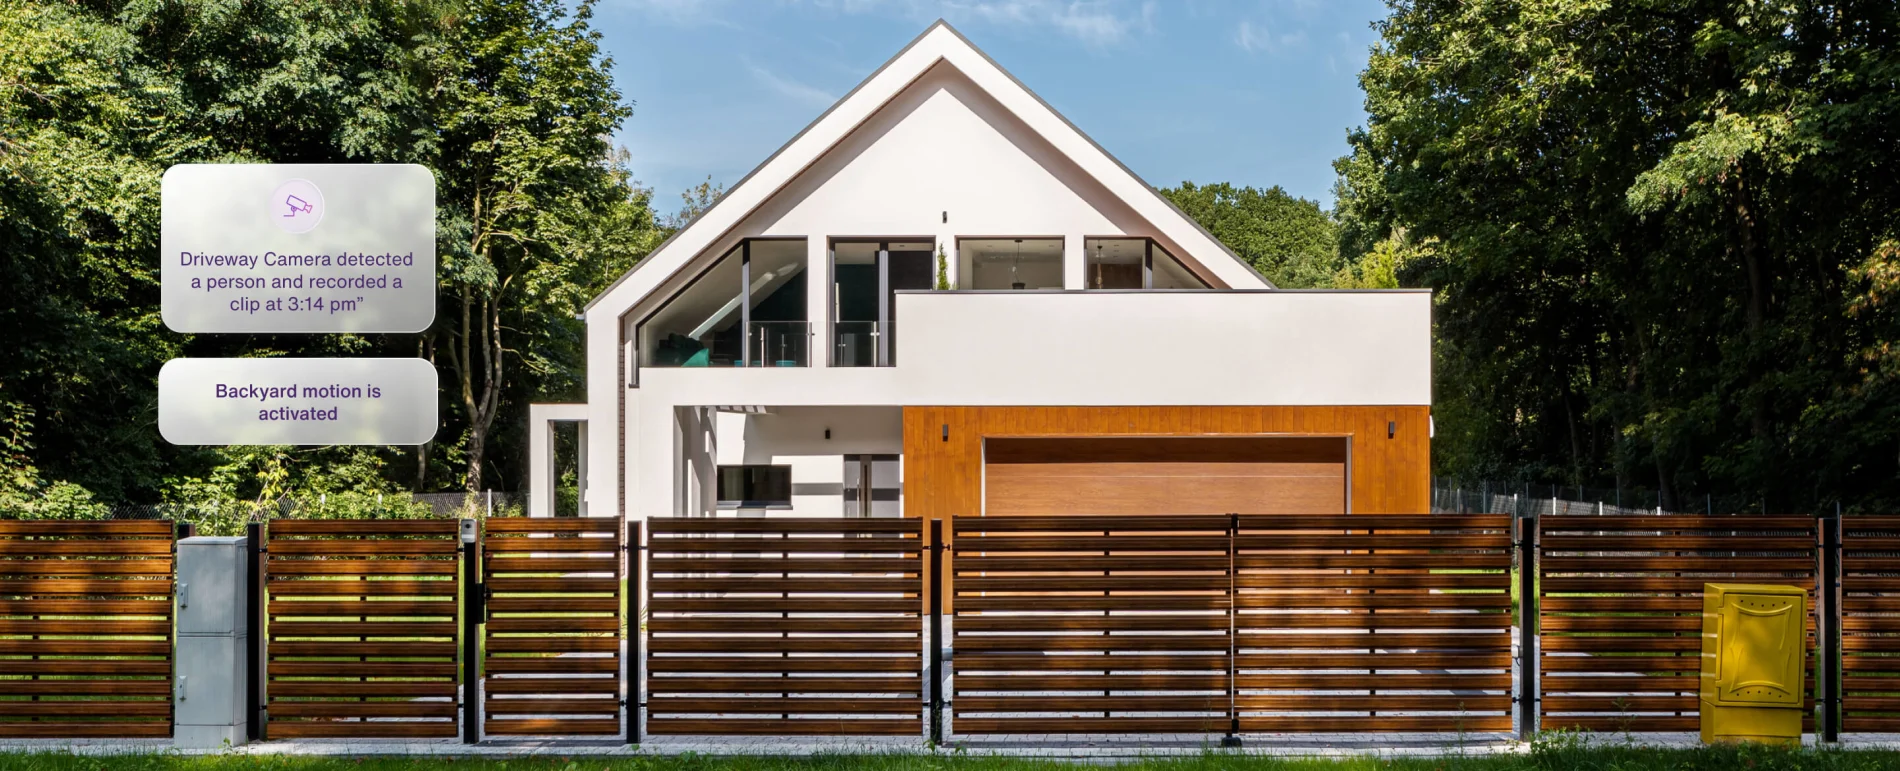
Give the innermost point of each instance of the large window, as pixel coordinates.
(1009, 263)
(1134, 263)
(755, 487)
(866, 276)
(747, 309)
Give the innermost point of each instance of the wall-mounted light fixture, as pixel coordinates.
(1391, 428)
(946, 432)
(827, 434)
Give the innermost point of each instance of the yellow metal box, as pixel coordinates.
(1753, 662)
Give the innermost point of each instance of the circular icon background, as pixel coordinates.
(296, 206)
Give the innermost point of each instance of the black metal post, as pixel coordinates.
(636, 631)
(936, 659)
(1527, 610)
(1827, 659)
(474, 610)
(259, 642)
(1232, 739)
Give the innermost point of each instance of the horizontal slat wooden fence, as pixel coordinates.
(785, 626)
(1363, 623)
(553, 633)
(1621, 609)
(85, 629)
(362, 628)
(1091, 624)
(1870, 624)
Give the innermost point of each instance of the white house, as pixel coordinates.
(1096, 351)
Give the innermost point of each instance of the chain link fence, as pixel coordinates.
(1451, 496)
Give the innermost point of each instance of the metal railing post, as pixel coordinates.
(259, 642)
(636, 632)
(936, 660)
(1827, 658)
(474, 607)
(1527, 611)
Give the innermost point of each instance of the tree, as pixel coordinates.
(523, 103)
(1289, 240)
(1662, 238)
(98, 98)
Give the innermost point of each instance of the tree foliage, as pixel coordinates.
(1291, 241)
(1663, 237)
(509, 101)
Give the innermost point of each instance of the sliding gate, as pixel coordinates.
(1225, 624)
(785, 626)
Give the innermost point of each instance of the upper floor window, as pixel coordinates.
(747, 310)
(1009, 263)
(866, 275)
(1134, 263)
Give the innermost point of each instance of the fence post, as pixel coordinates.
(1827, 658)
(1232, 739)
(1527, 610)
(474, 595)
(260, 639)
(636, 635)
(936, 632)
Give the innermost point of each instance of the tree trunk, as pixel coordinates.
(1757, 305)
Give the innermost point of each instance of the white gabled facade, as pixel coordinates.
(940, 149)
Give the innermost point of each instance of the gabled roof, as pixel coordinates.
(939, 43)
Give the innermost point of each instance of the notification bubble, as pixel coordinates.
(314, 248)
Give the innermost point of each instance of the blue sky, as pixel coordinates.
(1254, 92)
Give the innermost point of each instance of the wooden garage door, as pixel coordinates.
(1173, 475)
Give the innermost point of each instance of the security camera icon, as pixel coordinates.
(297, 206)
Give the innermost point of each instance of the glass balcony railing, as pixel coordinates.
(855, 343)
(780, 344)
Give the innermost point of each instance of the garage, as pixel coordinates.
(1164, 475)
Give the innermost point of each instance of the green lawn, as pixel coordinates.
(1550, 756)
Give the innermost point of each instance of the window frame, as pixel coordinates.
(720, 502)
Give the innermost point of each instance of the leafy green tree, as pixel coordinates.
(509, 101)
(524, 104)
(1662, 238)
(1289, 240)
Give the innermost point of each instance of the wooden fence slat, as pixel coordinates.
(321, 578)
(540, 630)
(74, 591)
(1621, 608)
(709, 652)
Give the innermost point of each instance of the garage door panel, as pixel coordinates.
(1167, 495)
(1123, 476)
(1164, 469)
(1196, 449)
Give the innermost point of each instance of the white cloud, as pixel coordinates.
(1251, 38)
(791, 89)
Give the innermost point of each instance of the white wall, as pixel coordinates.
(1173, 348)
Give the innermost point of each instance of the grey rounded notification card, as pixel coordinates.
(297, 401)
(297, 248)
